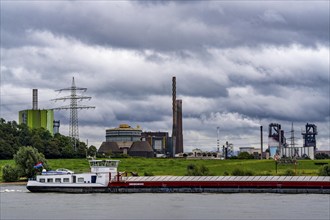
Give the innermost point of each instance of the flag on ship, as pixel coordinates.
(38, 165)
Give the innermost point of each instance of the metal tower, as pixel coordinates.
(73, 128)
(218, 142)
(293, 151)
(310, 135)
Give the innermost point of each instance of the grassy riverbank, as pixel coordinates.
(176, 167)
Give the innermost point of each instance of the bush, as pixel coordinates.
(9, 173)
(320, 156)
(26, 158)
(193, 170)
(289, 172)
(266, 173)
(245, 155)
(148, 173)
(240, 172)
(324, 170)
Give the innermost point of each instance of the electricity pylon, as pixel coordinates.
(73, 107)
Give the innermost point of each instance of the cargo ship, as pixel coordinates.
(104, 177)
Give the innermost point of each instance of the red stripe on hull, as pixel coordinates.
(219, 184)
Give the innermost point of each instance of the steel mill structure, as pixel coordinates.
(73, 107)
(279, 148)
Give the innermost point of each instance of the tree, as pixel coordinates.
(6, 151)
(24, 135)
(92, 151)
(26, 158)
(245, 155)
(80, 150)
(13, 136)
(52, 150)
(9, 173)
(9, 139)
(67, 151)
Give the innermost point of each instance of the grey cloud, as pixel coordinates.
(238, 64)
(173, 26)
(195, 85)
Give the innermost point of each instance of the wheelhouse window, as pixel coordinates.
(80, 180)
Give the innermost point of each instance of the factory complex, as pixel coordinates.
(133, 141)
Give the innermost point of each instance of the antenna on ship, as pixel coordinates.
(73, 107)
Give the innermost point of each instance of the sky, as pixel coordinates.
(238, 65)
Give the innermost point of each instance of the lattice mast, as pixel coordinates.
(73, 107)
(294, 152)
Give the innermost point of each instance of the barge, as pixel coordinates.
(105, 178)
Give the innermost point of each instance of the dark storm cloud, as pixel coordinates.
(172, 26)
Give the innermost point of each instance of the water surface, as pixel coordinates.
(18, 203)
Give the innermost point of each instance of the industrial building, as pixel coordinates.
(256, 152)
(159, 141)
(132, 141)
(37, 118)
(277, 144)
(124, 133)
(126, 140)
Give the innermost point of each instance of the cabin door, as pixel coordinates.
(93, 180)
(74, 179)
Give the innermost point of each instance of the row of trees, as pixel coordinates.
(13, 136)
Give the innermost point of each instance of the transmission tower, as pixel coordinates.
(294, 151)
(73, 107)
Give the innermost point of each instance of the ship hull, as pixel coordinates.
(73, 189)
(147, 185)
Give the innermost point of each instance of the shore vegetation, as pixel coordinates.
(183, 166)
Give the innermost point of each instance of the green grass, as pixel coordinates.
(176, 167)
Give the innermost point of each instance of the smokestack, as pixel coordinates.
(179, 135)
(35, 99)
(174, 97)
(174, 115)
(261, 142)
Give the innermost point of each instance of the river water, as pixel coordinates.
(18, 203)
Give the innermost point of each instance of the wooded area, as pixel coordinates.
(14, 136)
